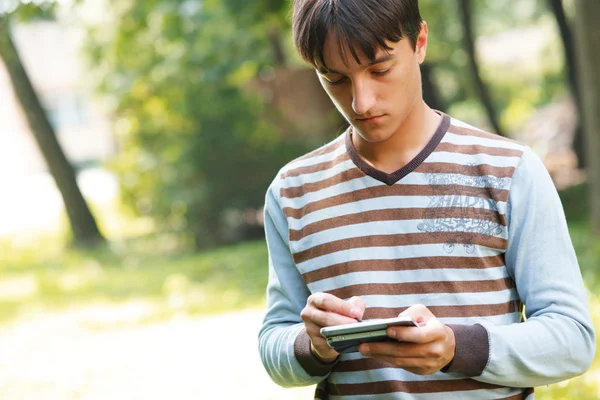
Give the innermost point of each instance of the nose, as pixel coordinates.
(363, 97)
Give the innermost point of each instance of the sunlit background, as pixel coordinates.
(174, 116)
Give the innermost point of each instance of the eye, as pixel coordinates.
(337, 82)
(381, 73)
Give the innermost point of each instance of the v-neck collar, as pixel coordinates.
(394, 177)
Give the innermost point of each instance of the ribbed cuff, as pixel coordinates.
(472, 350)
(311, 365)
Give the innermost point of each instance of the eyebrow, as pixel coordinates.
(381, 59)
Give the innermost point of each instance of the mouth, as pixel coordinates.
(373, 119)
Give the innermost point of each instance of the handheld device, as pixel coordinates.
(346, 338)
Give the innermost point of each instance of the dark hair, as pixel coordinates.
(367, 24)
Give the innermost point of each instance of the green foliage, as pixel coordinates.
(195, 143)
(516, 90)
(30, 11)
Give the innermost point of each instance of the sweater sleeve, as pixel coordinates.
(283, 343)
(557, 340)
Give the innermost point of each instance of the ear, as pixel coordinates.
(421, 43)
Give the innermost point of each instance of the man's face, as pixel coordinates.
(375, 96)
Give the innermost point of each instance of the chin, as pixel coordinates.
(374, 135)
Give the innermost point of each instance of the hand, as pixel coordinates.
(323, 309)
(423, 350)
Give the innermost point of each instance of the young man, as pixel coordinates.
(414, 213)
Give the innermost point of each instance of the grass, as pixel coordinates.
(167, 283)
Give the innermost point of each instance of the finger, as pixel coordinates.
(418, 312)
(403, 350)
(430, 331)
(312, 315)
(417, 366)
(329, 302)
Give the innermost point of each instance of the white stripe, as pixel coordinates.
(392, 253)
(440, 299)
(476, 140)
(386, 374)
(462, 124)
(383, 203)
(320, 158)
(470, 159)
(422, 275)
(405, 227)
(492, 320)
(420, 178)
(351, 356)
(294, 181)
(331, 191)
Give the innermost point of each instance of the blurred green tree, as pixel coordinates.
(198, 146)
(83, 225)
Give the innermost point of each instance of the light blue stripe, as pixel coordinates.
(404, 227)
(440, 299)
(392, 253)
(472, 159)
(421, 275)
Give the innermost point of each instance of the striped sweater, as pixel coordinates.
(472, 228)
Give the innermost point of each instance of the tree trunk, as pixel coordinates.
(587, 32)
(571, 66)
(84, 228)
(277, 46)
(431, 95)
(469, 44)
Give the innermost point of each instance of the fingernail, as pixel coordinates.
(392, 333)
(356, 312)
(364, 349)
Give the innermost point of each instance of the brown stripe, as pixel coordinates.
(423, 287)
(298, 191)
(397, 190)
(399, 214)
(476, 149)
(404, 264)
(316, 167)
(381, 387)
(469, 170)
(479, 310)
(520, 396)
(469, 238)
(363, 364)
(459, 130)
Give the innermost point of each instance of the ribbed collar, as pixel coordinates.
(394, 177)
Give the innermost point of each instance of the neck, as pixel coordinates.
(410, 138)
